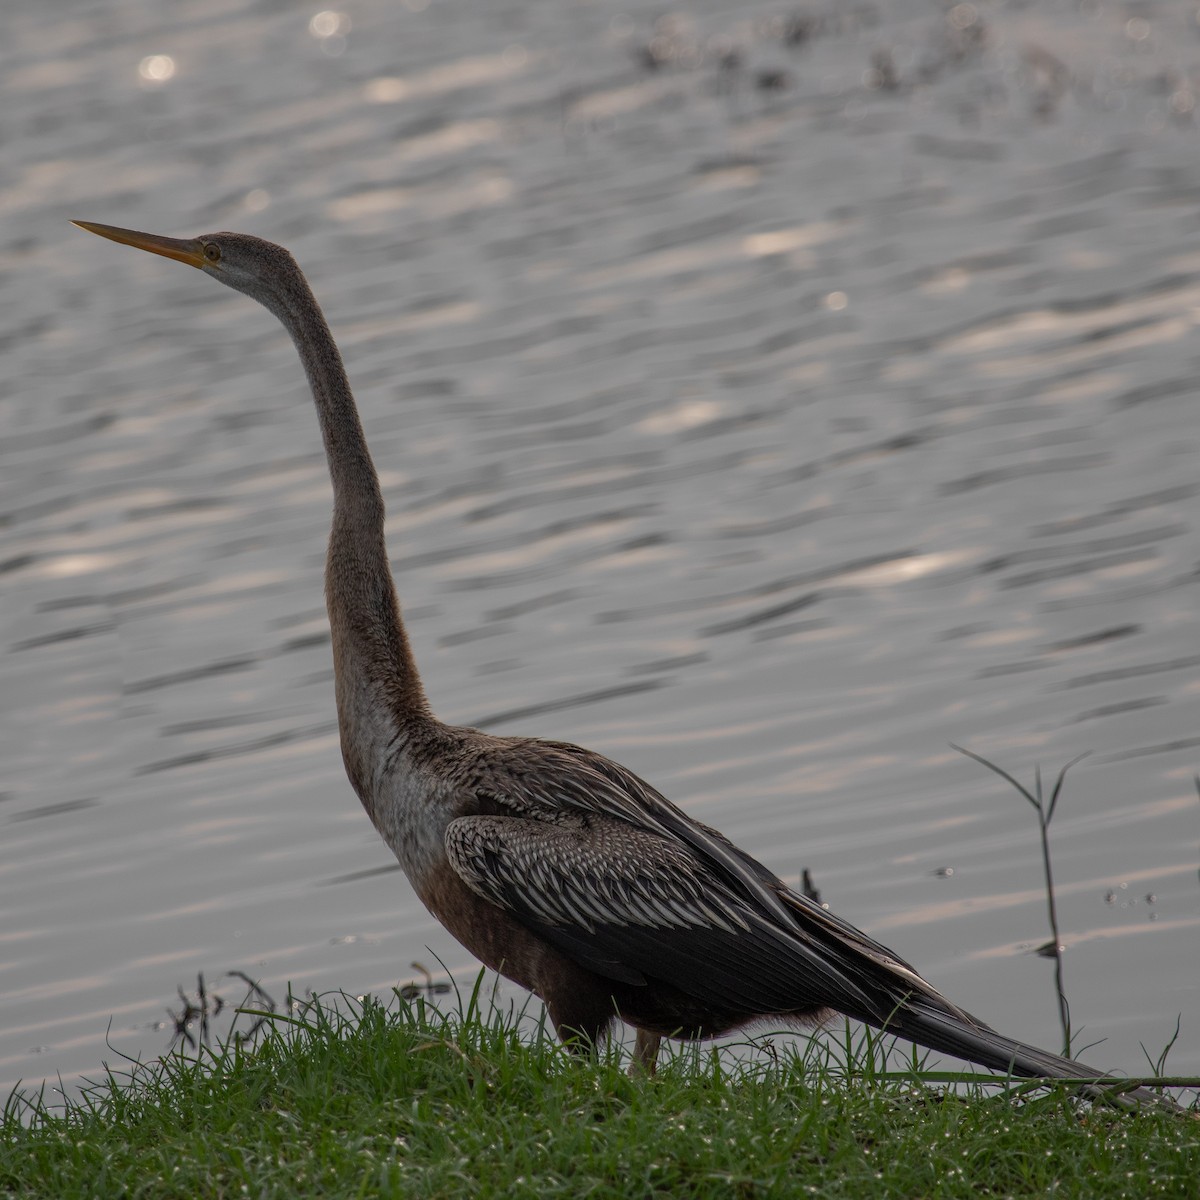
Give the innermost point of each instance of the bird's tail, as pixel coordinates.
(923, 1021)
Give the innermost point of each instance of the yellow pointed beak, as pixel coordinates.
(184, 251)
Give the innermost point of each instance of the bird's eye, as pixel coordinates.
(212, 252)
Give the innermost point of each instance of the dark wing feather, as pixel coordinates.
(556, 781)
(632, 905)
(545, 780)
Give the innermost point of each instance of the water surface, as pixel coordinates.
(766, 406)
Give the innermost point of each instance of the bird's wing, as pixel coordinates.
(555, 781)
(632, 905)
(551, 781)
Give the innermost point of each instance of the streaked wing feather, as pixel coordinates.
(544, 779)
(632, 905)
(550, 780)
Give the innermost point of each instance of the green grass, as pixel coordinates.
(358, 1099)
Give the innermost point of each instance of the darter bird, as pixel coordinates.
(554, 865)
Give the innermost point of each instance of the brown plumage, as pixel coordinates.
(553, 865)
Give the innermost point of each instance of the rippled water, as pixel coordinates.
(759, 423)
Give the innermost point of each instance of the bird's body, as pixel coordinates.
(553, 865)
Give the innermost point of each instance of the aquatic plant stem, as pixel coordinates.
(1045, 813)
(1064, 1010)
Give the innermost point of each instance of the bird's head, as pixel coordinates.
(261, 269)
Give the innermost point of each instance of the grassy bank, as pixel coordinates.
(361, 1100)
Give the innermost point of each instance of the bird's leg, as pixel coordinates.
(581, 1037)
(645, 1053)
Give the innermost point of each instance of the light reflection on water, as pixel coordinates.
(651, 488)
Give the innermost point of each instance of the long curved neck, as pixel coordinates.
(379, 692)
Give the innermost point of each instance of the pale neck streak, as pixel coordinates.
(375, 671)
